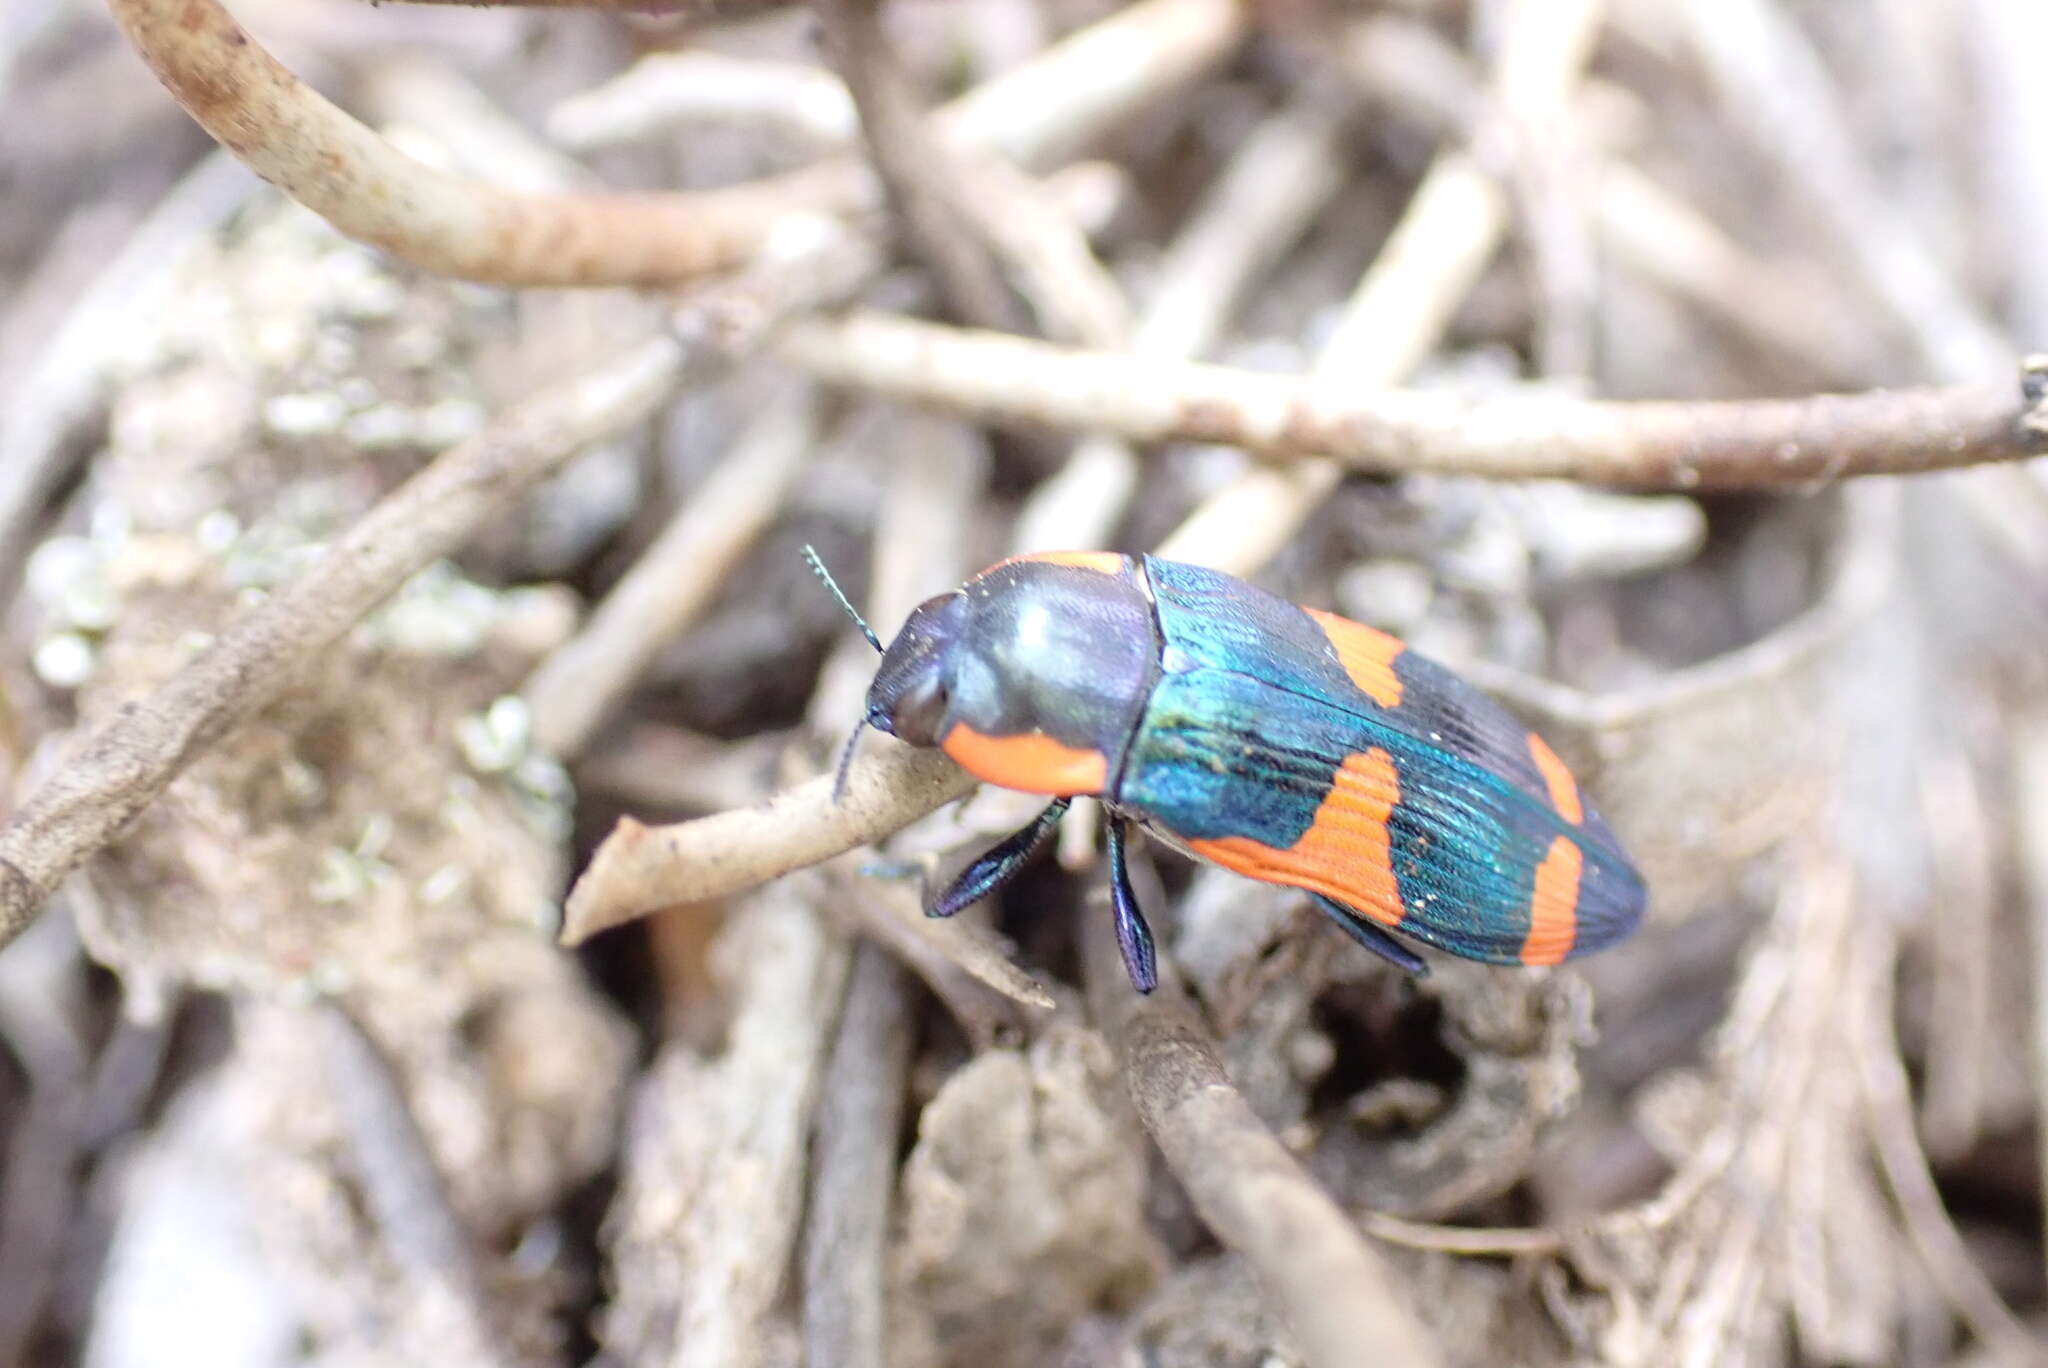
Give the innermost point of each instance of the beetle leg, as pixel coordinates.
(1133, 937)
(999, 863)
(1374, 937)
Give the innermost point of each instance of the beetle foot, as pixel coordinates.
(1133, 936)
(999, 864)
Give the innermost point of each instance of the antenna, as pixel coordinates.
(846, 762)
(818, 568)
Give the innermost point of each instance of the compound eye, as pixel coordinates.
(920, 709)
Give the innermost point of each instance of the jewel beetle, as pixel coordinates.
(1287, 744)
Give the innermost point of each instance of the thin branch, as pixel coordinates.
(1264, 199)
(967, 965)
(1416, 74)
(853, 1166)
(1344, 1304)
(1888, 1107)
(677, 90)
(641, 869)
(1397, 314)
(1776, 93)
(924, 175)
(368, 189)
(84, 804)
(1669, 445)
(1394, 318)
(295, 138)
(702, 1233)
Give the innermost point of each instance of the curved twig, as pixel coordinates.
(1670, 445)
(123, 766)
(323, 158)
(328, 161)
(640, 869)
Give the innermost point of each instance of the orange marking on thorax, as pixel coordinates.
(1367, 654)
(1564, 790)
(1345, 854)
(1031, 762)
(1105, 562)
(1554, 904)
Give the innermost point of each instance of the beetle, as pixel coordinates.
(1285, 743)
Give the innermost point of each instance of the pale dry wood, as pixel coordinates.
(924, 175)
(640, 869)
(1669, 445)
(1781, 306)
(1777, 93)
(404, 1191)
(704, 1231)
(665, 91)
(1434, 256)
(937, 470)
(1446, 237)
(967, 965)
(328, 161)
(1286, 170)
(1961, 1033)
(1251, 1192)
(85, 801)
(853, 1167)
(322, 157)
(1888, 1101)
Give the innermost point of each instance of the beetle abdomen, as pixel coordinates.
(1303, 749)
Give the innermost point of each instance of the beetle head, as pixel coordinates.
(909, 695)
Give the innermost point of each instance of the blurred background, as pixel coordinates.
(292, 1067)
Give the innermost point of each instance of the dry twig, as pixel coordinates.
(1889, 1107)
(1397, 313)
(853, 1166)
(967, 966)
(925, 177)
(296, 139)
(1669, 445)
(1250, 1191)
(641, 869)
(326, 160)
(1286, 170)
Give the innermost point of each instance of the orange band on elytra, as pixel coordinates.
(1554, 904)
(1564, 790)
(1367, 655)
(1346, 854)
